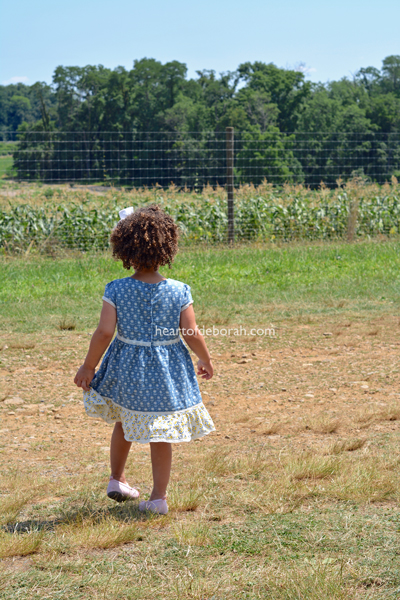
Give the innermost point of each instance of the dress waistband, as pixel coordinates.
(140, 343)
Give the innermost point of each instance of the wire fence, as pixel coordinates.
(193, 159)
(65, 188)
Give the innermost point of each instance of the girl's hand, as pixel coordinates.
(205, 369)
(83, 377)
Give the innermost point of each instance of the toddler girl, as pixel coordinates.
(146, 383)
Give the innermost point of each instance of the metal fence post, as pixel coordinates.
(230, 183)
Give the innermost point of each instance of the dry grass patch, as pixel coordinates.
(21, 345)
(366, 419)
(280, 494)
(187, 495)
(288, 484)
(270, 428)
(250, 464)
(391, 413)
(16, 544)
(191, 583)
(371, 480)
(16, 493)
(253, 463)
(311, 466)
(323, 424)
(66, 324)
(348, 445)
(12, 505)
(108, 533)
(242, 419)
(217, 462)
(320, 581)
(192, 534)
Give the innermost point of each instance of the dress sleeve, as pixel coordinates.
(109, 295)
(187, 299)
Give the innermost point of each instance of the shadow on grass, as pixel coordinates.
(124, 512)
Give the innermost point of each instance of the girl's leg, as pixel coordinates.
(161, 458)
(119, 450)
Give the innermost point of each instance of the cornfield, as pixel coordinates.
(41, 217)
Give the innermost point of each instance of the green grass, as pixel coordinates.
(308, 516)
(6, 163)
(7, 148)
(234, 286)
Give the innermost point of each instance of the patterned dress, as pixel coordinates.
(146, 379)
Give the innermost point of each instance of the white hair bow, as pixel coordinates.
(126, 212)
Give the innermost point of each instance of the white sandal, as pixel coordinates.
(119, 491)
(155, 506)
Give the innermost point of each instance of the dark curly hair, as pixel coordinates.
(147, 238)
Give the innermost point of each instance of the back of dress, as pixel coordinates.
(148, 312)
(146, 379)
(148, 368)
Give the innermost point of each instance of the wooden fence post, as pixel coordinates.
(230, 183)
(352, 219)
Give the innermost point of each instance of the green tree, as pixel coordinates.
(391, 74)
(135, 123)
(287, 89)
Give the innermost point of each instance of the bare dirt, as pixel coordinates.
(316, 378)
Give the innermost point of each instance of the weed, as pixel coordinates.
(324, 425)
(270, 428)
(66, 324)
(349, 445)
(309, 466)
(186, 496)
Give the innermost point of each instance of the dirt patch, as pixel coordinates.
(302, 386)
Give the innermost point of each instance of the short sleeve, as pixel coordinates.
(109, 295)
(186, 299)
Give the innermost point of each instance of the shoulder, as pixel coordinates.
(115, 288)
(182, 293)
(178, 285)
(179, 289)
(118, 283)
(116, 291)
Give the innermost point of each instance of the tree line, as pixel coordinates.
(287, 128)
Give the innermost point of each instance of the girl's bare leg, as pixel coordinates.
(161, 459)
(119, 450)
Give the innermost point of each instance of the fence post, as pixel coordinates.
(352, 219)
(230, 183)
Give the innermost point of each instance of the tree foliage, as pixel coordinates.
(292, 130)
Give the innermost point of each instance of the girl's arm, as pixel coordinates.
(98, 344)
(194, 339)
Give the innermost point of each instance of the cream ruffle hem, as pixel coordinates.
(144, 427)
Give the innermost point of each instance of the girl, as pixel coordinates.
(146, 383)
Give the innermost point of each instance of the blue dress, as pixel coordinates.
(146, 379)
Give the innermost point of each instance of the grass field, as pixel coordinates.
(296, 496)
(6, 163)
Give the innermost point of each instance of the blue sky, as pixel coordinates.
(332, 39)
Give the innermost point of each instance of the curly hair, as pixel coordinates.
(147, 238)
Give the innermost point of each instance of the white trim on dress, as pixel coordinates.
(144, 427)
(143, 343)
(149, 413)
(186, 306)
(109, 301)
